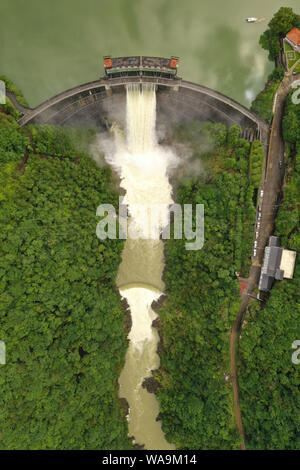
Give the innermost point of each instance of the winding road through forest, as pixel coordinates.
(272, 179)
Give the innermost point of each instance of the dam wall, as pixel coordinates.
(98, 102)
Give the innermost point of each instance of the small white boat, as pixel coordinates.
(251, 20)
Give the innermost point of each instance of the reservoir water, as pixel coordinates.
(50, 46)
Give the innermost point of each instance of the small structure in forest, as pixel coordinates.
(293, 39)
(278, 264)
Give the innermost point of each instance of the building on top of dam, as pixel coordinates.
(139, 66)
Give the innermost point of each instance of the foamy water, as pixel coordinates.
(139, 300)
(143, 168)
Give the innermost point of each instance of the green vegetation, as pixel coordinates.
(269, 381)
(281, 23)
(256, 161)
(196, 403)
(263, 103)
(297, 68)
(291, 56)
(11, 87)
(291, 125)
(61, 316)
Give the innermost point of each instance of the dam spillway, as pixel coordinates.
(143, 169)
(92, 103)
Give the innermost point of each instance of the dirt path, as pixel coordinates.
(271, 184)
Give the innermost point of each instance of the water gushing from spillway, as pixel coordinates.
(143, 168)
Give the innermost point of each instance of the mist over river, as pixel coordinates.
(51, 45)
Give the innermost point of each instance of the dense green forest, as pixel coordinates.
(269, 381)
(202, 291)
(61, 316)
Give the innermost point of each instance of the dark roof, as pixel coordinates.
(274, 241)
(265, 282)
(274, 260)
(279, 274)
(270, 269)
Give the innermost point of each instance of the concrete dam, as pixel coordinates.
(94, 103)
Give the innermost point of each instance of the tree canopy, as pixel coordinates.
(61, 316)
(202, 291)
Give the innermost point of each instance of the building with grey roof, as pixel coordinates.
(278, 264)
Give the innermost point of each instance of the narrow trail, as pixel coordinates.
(271, 183)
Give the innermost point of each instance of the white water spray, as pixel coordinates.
(143, 167)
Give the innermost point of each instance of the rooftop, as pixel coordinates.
(294, 36)
(278, 264)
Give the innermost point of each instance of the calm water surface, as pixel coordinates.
(51, 45)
